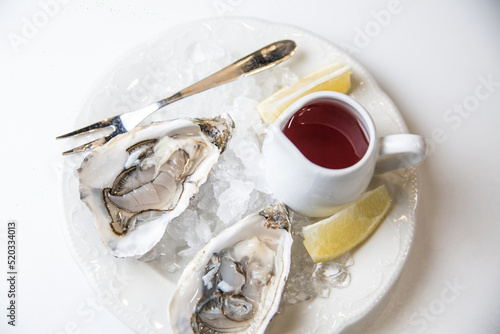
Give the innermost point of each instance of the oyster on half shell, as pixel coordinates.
(234, 284)
(143, 179)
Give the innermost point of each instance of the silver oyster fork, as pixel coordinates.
(260, 60)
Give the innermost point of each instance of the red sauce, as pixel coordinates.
(328, 134)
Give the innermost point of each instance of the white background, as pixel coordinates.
(431, 57)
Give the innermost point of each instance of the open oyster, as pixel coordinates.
(141, 180)
(234, 284)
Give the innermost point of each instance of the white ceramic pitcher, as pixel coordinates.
(315, 191)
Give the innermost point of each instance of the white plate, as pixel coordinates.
(138, 292)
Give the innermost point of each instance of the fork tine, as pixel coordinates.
(90, 145)
(90, 128)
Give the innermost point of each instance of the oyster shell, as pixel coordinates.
(234, 284)
(141, 180)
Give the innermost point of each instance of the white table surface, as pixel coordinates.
(431, 57)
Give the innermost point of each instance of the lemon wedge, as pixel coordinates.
(334, 76)
(333, 236)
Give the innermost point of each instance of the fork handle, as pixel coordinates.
(260, 60)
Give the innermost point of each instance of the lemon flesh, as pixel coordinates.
(333, 236)
(334, 76)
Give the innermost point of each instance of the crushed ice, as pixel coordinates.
(308, 279)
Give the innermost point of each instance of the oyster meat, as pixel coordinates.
(234, 284)
(141, 180)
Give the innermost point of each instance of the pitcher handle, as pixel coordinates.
(400, 151)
